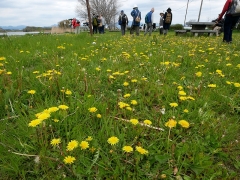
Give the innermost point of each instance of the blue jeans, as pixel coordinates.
(229, 23)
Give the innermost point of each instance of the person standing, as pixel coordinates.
(76, 25)
(123, 21)
(136, 14)
(230, 19)
(103, 24)
(167, 20)
(100, 24)
(95, 23)
(149, 22)
(161, 23)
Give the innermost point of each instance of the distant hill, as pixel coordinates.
(19, 27)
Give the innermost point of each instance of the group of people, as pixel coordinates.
(98, 23)
(164, 23)
(231, 17)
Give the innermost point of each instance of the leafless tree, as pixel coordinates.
(107, 8)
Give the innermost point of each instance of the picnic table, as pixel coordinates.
(200, 27)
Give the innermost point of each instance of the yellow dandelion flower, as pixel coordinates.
(185, 110)
(198, 74)
(183, 98)
(236, 84)
(127, 95)
(173, 104)
(180, 88)
(72, 145)
(2, 58)
(55, 142)
(35, 122)
(43, 116)
(69, 160)
(52, 109)
(68, 92)
(129, 108)
(63, 107)
(148, 122)
(171, 123)
(55, 120)
(89, 138)
(134, 121)
(127, 149)
(228, 82)
(113, 140)
(212, 85)
(134, 80)
(141, 150)
(92, 109)
(98, 69)
(84, 145)
(133, 102)
(111, 77)
(123, 105)
(182, 93)
(31, 92)
(99, 116)
(184, 123)
(125, 84)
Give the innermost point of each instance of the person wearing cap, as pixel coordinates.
(123, 22)
(161, 23)
(149, 22)
(136, 14)
(167, 20)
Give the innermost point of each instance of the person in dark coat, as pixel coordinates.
(167, 20)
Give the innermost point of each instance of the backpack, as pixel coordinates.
(124, 19)
(234, 8)
(146, 18)
(95, 23)
(168, 18)
(137, 19)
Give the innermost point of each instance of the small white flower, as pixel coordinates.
(37, 159)
(162, 110)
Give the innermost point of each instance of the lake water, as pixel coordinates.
(17, 33)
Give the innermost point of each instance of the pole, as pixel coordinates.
(186, 15)
(200, 10)
(89, 17)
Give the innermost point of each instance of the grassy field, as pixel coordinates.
(113, 107)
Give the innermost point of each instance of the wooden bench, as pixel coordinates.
(210, 32)
(178, 32)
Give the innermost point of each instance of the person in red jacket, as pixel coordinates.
(230, 20)
(76, 25)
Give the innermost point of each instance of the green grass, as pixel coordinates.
(94, 70)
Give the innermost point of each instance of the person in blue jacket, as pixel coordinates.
(136, 14)
(149, 22)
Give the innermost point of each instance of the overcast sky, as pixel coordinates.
(50, 12)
